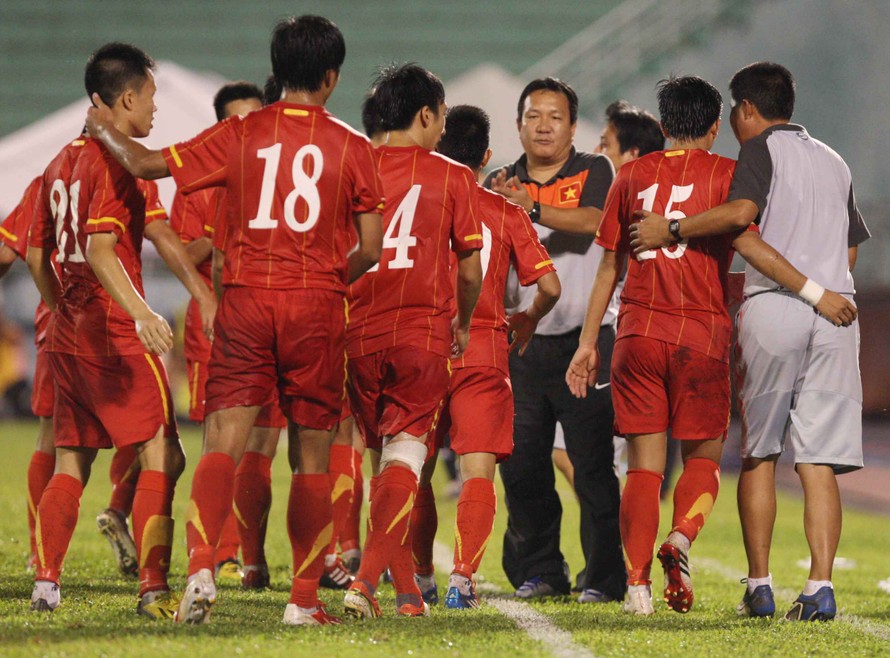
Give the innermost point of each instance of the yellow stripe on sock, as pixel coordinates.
(193, 516)
(321, 543)
(341, 486)
(158, 531)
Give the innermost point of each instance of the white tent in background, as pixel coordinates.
(185, 107)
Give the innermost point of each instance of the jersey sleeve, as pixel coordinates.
(858, 231)
(753, 174)
(530, 258)
(107, 212)
(610, 234)
(186, 217)
(466, 233)
(15, 228)
(154, 209)
(367, 193)
(202, 161)
(599, 179)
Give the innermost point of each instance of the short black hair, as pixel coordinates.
(271, 90)
(466, 138)
(113, 68)
(304, 49)
(234, 91)
(401, 91)
(768, 86)
(688, 106)
(634, 127)
(550, 84)
(370, 116)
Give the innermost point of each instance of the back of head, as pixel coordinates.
(635, 128)
(234, 91)
(271, 90)
(114, 68)
(550, 84)
(768, 86)
(688, 106)
(370, 116)
(401, 92)
(466, 135)
(304, 49)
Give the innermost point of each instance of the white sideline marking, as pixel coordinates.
(538, 626)
(859, 623)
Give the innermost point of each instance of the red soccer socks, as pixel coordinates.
(638, 519)
(472, 528)
(40, 470)
(209, 505)
(694, 496)
(124, 473)
(342, 476)
(424, 523)
(253, 498)
(310, 527)
(56, 520)
(153, 529)
(350, 537)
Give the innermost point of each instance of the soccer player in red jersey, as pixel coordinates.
(670, 365)
(401, 331)
(479, 408)
(297, 182)
(103, 339)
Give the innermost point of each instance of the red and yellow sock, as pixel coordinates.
(350, 535)
(253, 498)
(638, 519)
(424, 523)
(56, 519)
(124, 474)
(209, 505)
(694, 496)
(229, 539)
(40, 470)
(310, 527)
(342, 477)
(153, 529)
(472, 528)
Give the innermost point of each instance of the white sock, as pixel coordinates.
(644, 589)
(754, 583)
(679, 540)
(330, 559)
(814, 586)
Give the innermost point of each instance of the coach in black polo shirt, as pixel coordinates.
(563, 191)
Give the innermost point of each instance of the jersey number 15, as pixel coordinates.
(679, 194)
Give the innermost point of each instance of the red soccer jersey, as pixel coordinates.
(86, 191)
(14, 234)
(407, 298)
(508, 236)
(676, 294)
(194, 216)
(294, 176)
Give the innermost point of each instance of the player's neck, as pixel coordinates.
(703, 143)
(404, 138)
(305, 97)
(123, 126)
(543, 169)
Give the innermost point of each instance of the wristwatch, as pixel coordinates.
(674, 229)
(535, 213)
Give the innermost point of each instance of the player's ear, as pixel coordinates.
(634, 152)
(715, 129)
(486, 157)
(331, 78)
(664, 133)
(127, 99)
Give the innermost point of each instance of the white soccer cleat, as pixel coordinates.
(639, 600)
(46, 596)
(317, 616)
(198, 598)
(114, 528)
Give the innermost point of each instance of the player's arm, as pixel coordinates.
(769, 262)
(469, 283)
(216, 271)
(39, 260)
(152, 329)
(177, 258)
(369, 227)
(199, 250)
(651, 231)
(583, 368)
(521, 326)
(7, 258)
(852, 254)
(139, 160)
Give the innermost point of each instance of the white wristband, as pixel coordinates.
(811, 292)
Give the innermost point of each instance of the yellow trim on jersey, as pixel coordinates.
(175, 155)
(9, 235)
(475, 236)
(162, 388)
(78, 142)
(543, 263)
(194, 391)
(103, 220)
(674, 154)
(209, 228)
(292, 112)
(159, 211)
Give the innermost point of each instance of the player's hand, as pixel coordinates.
(836, 308)
(460, 338)
(154, 333)
(650, 232)
(513, 189)
(520, 329)
(98, 116)
(207, 308)
(582, 370)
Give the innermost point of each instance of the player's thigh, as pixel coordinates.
(698, 390)
(639, 385)
(481, 409)
(363, 388)
(414, 387)
(43, 390)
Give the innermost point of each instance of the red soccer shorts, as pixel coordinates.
(292, 340)
(43, 395)
(399, 389)
(656, 386)
(270, 414)
(110, 401)
(478, 412)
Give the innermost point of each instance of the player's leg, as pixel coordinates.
(40, 470)
(342, 475)
(56, 519)
(112, 522)
(350, 536)
(424, 524)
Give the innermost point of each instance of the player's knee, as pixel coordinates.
(411, 454)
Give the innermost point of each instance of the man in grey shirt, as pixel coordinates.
(799, 370)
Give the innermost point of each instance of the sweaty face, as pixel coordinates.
(611, 148)
(242, 107)
(143, 109)
(545, 129)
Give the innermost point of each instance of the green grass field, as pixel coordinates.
(98, 617)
